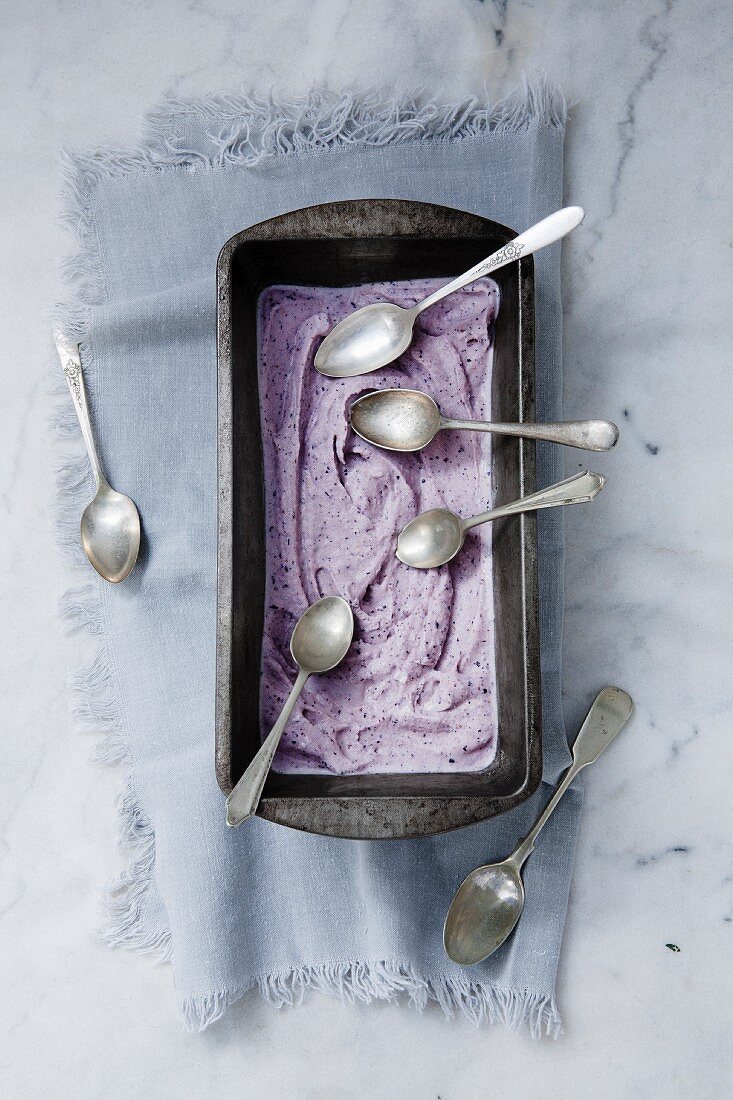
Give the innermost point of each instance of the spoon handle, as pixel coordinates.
(538, 236)
(244, 799)
(573, 490)
(71, 362)
(588, 435)
(610, 712)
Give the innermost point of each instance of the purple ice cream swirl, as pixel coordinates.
(416, 692)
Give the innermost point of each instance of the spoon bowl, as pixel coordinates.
(431, 539)
(398, 420)
(110, 533)
(484, 911)
(376, 334)
(322, 635)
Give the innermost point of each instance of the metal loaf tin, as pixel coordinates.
(343, 244)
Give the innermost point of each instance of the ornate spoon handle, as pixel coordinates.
(573, 490)
(538, 236)
(71, 363)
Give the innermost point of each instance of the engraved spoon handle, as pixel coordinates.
(608, 715)
(573, 490)
(71, 363)
(243, 801)
(588, 435)
(538, 236)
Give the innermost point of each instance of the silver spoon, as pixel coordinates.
(110, 524)
(407, 420)
(319, 642)
(377, 334)
(435, 537)
(490, 900)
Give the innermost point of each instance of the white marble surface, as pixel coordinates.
(648, 572)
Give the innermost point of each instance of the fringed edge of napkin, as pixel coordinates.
(387, 981)
(244, 131)
(129, 918)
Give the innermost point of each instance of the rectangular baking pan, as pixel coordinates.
(344, 244)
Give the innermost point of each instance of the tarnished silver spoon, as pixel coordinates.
(110, 524)
(377, 334)
(407, 420)
(435, 537)
(319, 642)
(490, 900)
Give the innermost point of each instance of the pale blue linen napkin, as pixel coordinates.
(264, 905)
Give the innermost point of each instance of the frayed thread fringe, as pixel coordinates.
(74, 480)
(94, 700)
(125, 900)
(96, 706)
(364, 982)
(243, 131)
(81, 610)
